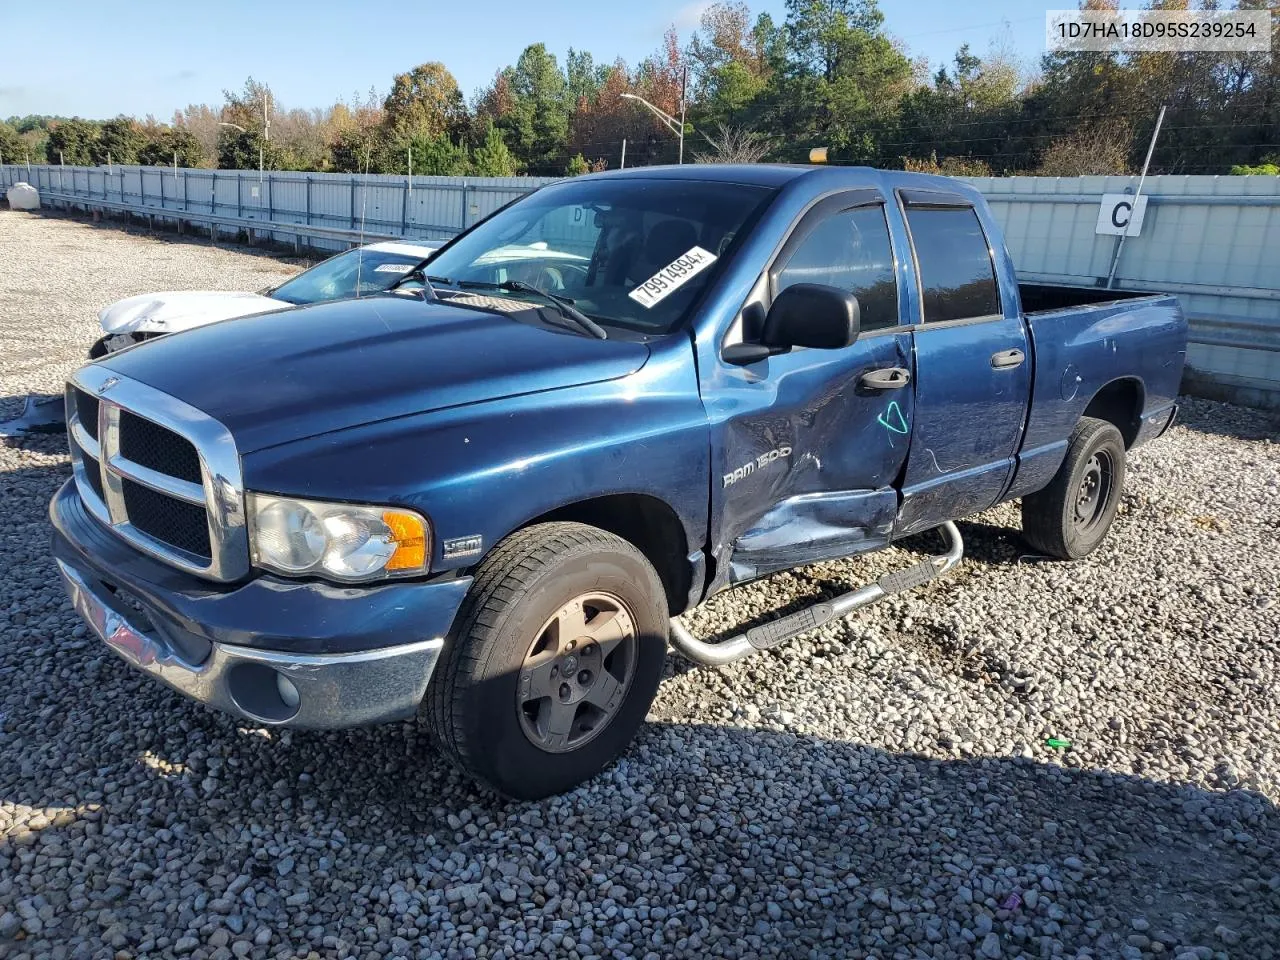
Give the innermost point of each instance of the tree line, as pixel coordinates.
(754, 89)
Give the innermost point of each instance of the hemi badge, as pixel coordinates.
(462, 546)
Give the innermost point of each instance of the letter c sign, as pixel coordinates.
(1118, 215)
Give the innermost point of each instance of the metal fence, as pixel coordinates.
(328, 210)
(1214, 241)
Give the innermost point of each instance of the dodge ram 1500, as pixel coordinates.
(482, 496)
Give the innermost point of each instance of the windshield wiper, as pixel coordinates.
(562, 305)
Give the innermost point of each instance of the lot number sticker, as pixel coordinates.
(672, 277)
(393, 268)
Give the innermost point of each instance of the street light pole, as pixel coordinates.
(674, 125)
(236, 126)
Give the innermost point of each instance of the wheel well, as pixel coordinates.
(650, 525)
(1120, 403)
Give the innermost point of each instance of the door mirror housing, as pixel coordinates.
(803, 315)
(812, 315)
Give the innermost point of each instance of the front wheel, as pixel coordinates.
(1069, 517)
(553, 660)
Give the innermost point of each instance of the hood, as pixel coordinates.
(312, 370)
(181, 310)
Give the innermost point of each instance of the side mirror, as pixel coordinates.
(812, 315)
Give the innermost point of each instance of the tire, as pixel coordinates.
(509, 642)
(1070, 517)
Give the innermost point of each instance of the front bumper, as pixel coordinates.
(274, 652)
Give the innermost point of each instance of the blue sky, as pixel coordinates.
(152, 57)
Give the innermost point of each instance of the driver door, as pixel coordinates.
(808, 447)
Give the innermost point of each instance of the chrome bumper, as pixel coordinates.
(269, 687)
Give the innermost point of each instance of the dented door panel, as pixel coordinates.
(808, 455)
(812, 527)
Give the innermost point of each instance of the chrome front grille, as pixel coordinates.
(158, 472)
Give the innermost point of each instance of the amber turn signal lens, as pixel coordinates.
(410, 537)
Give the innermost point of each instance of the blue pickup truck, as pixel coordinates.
(481, 497)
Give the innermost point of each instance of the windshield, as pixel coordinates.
(335, 279)
(635, 253)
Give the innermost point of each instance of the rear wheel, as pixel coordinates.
(1071, 516)
(553, 661)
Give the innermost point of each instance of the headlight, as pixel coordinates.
(341, 541)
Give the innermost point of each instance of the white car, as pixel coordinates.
(375, 267)
(356, 272)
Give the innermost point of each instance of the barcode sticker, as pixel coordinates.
(672, 277)
(393, 268)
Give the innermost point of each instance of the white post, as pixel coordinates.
(1151, 148)
(259, 165)
(175, 166)
(411, 168)
(623, 165)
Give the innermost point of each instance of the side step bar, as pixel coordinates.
(769, 635)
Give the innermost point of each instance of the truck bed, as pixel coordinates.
(1046, 297)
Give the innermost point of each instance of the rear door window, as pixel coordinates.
(957, 278)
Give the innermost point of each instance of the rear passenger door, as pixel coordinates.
(972, 367)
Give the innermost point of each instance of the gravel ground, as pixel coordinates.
(879, 788)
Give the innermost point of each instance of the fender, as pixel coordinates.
(1076, 362)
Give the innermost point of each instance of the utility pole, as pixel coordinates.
(684, 83)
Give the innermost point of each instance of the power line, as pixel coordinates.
(976, 26)
(1015, 139)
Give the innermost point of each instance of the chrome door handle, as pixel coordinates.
(1007, 359)
(886, 378)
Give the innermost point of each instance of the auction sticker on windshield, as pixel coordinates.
(393, 268)
(672, 277)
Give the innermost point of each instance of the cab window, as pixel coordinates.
(957, 279)
(850, 250)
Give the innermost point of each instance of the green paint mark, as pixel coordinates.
(893, 420)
